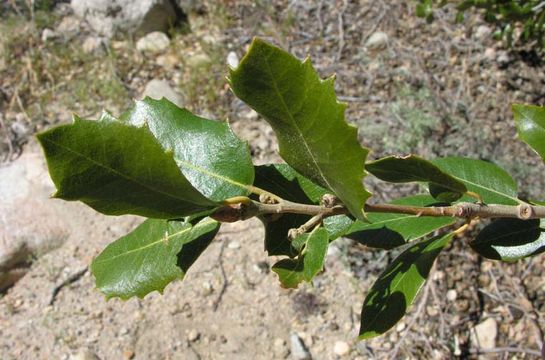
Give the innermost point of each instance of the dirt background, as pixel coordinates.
(432, 89)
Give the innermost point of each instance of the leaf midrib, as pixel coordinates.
(488, 189)
(215, 175)
(115, 171)
(163, 239)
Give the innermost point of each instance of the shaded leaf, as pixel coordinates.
(397, 287)
(387, 231)
(284, 181)
(510, 239)
(313, 248)
(412, 168)
(530, 122)
(492, 183)
(303, 110)
(151, 256)
(211, 157)
(118, 169)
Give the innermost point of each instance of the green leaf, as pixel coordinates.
(211, 157)
(396, 288)
(387, 231)
(313, 247)
(412, 168)
(492, 183)
(284, 181)
(530, 122)
(118, 169)
(510, 239)
(303, 110)
(151, 256)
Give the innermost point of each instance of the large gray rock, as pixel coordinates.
(109, 17)
(29, 225)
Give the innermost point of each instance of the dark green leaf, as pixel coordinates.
(313, 247)
(412, 168)
(151, 256)
(118, 169)
(530, 121)
(211, 157)
(303, 110)
(492, 183)
(282, 180)
(387, 231)
(397, 287)
(511, 239)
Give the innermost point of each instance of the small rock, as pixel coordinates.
(123, 331)
(48, 34)
(400, 327)
(482, 32)
(207, 288)
(19, 129)
(484, 334)
(249, 115)
(489, 54)
(68, 25)
(298, 348)
(85, 355)
(157, 89)
(232, 59)
(92, 44)
(377, 40)
(452, 295)
(168, 61)
(503, 58)
(153, 42)
(193, 335)
(128, 354)
(341, 348)
(234, 245)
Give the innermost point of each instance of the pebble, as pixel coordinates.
(92, 44)
(85, 355)
(377, 40)
(298, 348)
(341, 348)
(452, 295)
(153, 42)
(400, 327)
(193, 335)
(207, 288)
(489, 54)
(157, 89)
(48, 34)
(232, 59)
(198, 60)
(280, 349)
(484, 334)
(482, 32)
(503, 58)
(128, 354)
(234, 245)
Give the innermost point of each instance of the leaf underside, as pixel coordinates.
(396, 288)
(303, 110)
(511, 239)
(118, 169)
(151, 256)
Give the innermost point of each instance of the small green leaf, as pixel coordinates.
(313, 247)
(303, 110)
(151, 256)
(387, 231)
(511, 239)
(412, 168)
(211, 157)
(397, 287)
(530, 121)
(118, 169)
(282, 180)
(492, 183)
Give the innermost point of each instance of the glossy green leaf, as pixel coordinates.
(118, 169)
(282, 180)
(387, 231)
(396, 288)
(530, 121)
(492, 183)
(211, 157)
(511, 239)
(412, 168)
(303, 110)
(151, 256)
(313, 247)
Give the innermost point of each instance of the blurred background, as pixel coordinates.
(433, 88)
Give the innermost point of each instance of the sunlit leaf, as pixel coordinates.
(530, 121)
